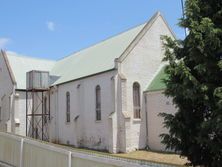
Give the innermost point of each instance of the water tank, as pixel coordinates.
(38, 80)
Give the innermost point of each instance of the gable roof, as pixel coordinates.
(95, 59)
(90, 61)
(158, 83)
(22, 64)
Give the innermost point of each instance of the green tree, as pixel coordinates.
(195, 84)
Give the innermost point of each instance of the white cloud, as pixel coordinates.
(4, 42)
(50, 25)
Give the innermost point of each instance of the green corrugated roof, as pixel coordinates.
(95, 59)
(22, 64)
(157, 83)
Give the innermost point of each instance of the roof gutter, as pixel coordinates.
(156, 90)
(113, 69)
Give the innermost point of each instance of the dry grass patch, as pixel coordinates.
(167, 158)
(150, 156)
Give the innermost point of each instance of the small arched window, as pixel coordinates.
(98, 103)
(136, 100)
(67, 107)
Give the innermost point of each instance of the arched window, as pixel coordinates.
(98, 103)
(136, 100)
(67, 107)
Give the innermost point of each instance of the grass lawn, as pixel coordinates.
(167, 158)
(158, 157)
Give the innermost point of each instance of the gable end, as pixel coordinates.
(12, 77)
(142, 33)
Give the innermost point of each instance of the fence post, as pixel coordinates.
(70, 159)
(21, 153)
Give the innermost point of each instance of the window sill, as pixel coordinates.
(98, 121)
(67, 123)
(137, 120)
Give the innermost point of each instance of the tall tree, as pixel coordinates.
(195, 84)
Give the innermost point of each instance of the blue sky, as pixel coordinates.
(53, 29)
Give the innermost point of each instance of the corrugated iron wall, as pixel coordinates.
(24, 152)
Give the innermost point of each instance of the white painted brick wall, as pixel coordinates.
(140, 66)
(157, 103)
(20, 112)
(86, 130)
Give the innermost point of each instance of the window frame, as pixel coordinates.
(68, 107)
(136, 101)
(98, 103)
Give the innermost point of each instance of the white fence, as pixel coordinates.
(23, 152)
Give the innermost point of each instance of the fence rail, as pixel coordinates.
(24, 152)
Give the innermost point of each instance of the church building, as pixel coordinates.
(105, 97)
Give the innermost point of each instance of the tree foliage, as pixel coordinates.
(195, 84)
